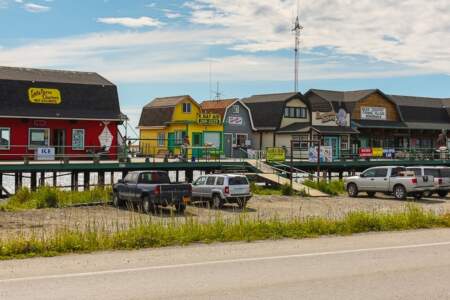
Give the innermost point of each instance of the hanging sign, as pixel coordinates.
(105, 138)
(44, 96)
(373, 113)
(275, 154)
(47, 153)
(235, 121)
(209, 119)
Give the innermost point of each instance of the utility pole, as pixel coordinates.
(297, 30)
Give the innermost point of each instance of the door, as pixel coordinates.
(198, 187)
(380, 182)
(197, 141)
(228, 144)
(366, 179)
(59, 141)
(335, 143)
(171, 142)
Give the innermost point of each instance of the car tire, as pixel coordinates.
(371, 194)
(180, 208)
(418, 196)
(116, 201)
(147, 205)
(217, 202)
(399, 192)
(352, 190)
(442, 194)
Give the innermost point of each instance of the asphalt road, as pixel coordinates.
(402, 265)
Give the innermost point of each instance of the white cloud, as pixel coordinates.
(36, 8)
(132, 22)
(172, 15)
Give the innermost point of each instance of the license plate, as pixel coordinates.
(186, 200)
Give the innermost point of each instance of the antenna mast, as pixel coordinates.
(297, 30)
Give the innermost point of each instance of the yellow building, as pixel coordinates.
(166, 122)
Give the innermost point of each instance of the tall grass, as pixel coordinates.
(50, 197)
(145, 233)
(333, 188)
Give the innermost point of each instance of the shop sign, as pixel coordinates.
(105, 138)
(44, 96)
(47, 153)
(377, 152)
(275, 154)
(235, 121)
(389, 152)
(365, 152)
(326, 154)
(373, 113)
(326, 116)
(208, 119)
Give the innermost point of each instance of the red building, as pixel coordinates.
(70, 114)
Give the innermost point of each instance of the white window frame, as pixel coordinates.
(9, 140)
(84, 139)
(186, 105)
(235, 109)
(161, 139)
(33, 147)
(241, 134)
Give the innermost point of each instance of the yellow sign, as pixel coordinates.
(275, 154)
(377, 152)
(44, 96)
(209, 119)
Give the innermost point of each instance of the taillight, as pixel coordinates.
(227, 190)
(414, 181)
(157, 190)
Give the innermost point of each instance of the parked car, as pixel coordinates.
(396, 180)
(149, 189)
(222, 188)
(441, 180)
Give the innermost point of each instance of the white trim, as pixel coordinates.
(151, 127)
(246, 107)
(9, 144)
(31, 147)
(84, 140)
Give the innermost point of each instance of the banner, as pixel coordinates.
(44, 96)
(377, 152)
(365, 152)
(275, 154)
(209, 119)
(326, 154)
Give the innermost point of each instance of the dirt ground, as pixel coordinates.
(46, 220)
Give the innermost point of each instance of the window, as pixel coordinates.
(78, 139)
(219, 181)
(396, 171)
(38, 137)
(212, 139)
(161, 139)
(210, 180)
(154, 177)
(295, 112)
(241, 140)
(179, 137)
(344, 142)
(381, 172)
(187, 107)
(300, 142)
(369, 173)
(432, 172)
(200, 181)
(238, 181)
(235, 109)
(416, 171)
(5, 138)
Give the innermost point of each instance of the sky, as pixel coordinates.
(245, 47)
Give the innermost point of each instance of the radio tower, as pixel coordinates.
(297, 30)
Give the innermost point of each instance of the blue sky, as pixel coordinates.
(161, 48)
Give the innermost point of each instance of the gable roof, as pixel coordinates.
(84, 96)
(267, 110)
(217, 106)
(168, 101)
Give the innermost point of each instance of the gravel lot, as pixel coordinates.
(260, 206)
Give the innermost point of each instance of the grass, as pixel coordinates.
(49, 197)
(144, 233)
(332, 188)
(283, 190)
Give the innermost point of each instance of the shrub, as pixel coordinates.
(287, 190)
(333, 188)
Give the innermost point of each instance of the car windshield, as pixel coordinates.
(238, 181)
(155, 177)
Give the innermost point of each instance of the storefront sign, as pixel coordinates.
(389, 152)
(326, 116)
(275, 154)
(235, 120)
(365, 152)
(377, 152)
(326, 154)
(208, 119)
(45, 154)
(373, 113)
(44, 96)
(78, 139)
(105, 138)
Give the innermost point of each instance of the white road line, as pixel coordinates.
(216, 262)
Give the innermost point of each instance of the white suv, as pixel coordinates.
(219, 189)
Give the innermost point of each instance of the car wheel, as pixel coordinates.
(399, 192)
(371, 194)
(116, 201)
(418, 196)
(428, 194)
(180, 208)
(352, 190)
(442, 194)
(147, 206)
(217, 202)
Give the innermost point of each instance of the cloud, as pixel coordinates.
(172, 15)
(36, 8)
(132, 22)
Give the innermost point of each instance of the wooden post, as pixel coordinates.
(55, 181)
(42, 179)
(74, 181)
(178, 176)
(101, 179)
(86, 180)
(124, 173)
(1, 185)
(33, 181)
(341, 175)
(17, 181)
(189, 176)
(112, 178)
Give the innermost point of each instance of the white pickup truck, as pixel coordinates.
(396, 180)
